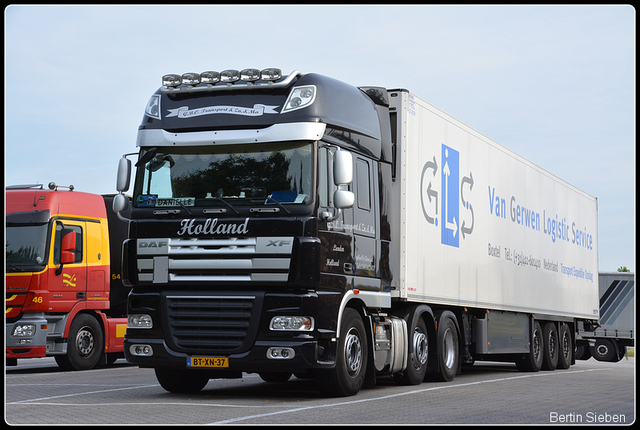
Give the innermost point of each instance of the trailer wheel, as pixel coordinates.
(347, 377)
(419, 354)
(181, 380)
(604, 350)
(447, 348)
(551, 346)
(532, 362)
(85, 344)
(566, 347)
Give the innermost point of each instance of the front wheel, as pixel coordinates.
(85, 344)
(181, 380)
(347, 377)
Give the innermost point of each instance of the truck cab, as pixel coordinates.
(59, 271)
(246, 237)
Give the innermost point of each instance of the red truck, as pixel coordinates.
(64, 294)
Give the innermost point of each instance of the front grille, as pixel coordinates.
(208, 260)
(221, 324)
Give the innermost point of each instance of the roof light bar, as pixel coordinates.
(209, 77)
(229, 76)
(191, 78)
(250, 75)
(233, 79)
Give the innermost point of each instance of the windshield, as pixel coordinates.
(25, 245)
(259, 174)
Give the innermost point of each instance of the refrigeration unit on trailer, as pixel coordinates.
(299, 225)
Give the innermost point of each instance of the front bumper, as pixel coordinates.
(27, 346)
(306, 355)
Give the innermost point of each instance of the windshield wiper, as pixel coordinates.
(183, 206)
(279, 204)
(218, 199)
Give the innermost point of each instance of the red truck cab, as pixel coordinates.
(64, 297)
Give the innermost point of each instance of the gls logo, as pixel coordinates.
(451, 192)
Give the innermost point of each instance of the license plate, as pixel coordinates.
(207, 362)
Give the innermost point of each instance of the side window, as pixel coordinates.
(364, 189)
(323, 178)
(58, 241)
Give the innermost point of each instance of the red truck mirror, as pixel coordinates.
(68, 246)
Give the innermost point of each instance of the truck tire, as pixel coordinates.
(551, 346)
(447, 350)
(181, 380)
(275, 376)
(85, 344)
(347, 377)
(582, 352)
(604, 350)
(418, 354)
(566, 347)
(532, 362)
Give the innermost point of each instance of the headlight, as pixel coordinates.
(139, 321)
(23, 330)
(291, 323)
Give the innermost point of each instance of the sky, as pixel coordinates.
(555, 84)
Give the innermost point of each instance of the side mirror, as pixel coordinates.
(120, 203)
(342, 168)
(68, 247)
(123, 175)
(342, 175)
(343, 199)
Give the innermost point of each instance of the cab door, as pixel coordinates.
(68, 281)
(364, 225)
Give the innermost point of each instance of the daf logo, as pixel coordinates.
(278, 243)
(153, 246)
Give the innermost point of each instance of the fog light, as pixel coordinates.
(141, 350)
(277, 353)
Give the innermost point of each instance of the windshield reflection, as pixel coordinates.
(265, 174)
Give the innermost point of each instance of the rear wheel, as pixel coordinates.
(347, 377)
(181, 380)
(566, 347)
(447, 347)
(532, 362)
(551, 346)
(418, 355)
